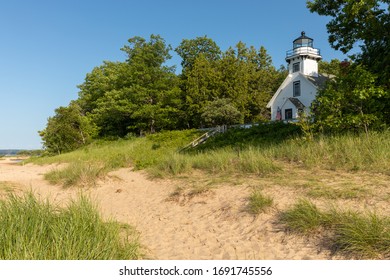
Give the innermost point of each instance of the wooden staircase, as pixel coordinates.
(203, 138)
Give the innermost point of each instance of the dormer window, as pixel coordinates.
(297, 88)
(296, 67)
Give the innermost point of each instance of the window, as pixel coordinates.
(288, 114)
(297, 88)
(296, 67)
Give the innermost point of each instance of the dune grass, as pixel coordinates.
(226, 160)
(258, 202)
(37, 230)
(260, 150)
(304, 217)
(283, 142)
(351, 152)
(343, 152)
(363, 236)
(77, 173)
(92, 162)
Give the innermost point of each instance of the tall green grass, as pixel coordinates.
(92, 162)
(304, 217)
(366, 236)
(253, 154)
(77, 173)
(227, 160)
(346, 152)
(368, 152)
(37, 230)
(359, 235)
(259, 202)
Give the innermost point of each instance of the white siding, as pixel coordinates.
(307, 66)
(308, 94)
(310, 67)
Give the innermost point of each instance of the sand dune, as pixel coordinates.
(211, 225)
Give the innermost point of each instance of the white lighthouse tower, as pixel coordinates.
(299, 89)
(303, 57)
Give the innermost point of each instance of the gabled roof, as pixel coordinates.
(297, 103)
(281, 87)
(320, 80)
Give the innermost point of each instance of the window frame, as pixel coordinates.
(296, 67)
(297, 90)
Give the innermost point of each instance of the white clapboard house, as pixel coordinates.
(299, 89)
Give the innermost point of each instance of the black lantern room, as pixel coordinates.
(303, 41)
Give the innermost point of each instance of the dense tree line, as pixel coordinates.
(143, 95)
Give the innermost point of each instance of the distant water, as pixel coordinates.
(10, 152)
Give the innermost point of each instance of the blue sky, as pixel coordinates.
(47, 47)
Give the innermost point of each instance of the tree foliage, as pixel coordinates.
(67, 130)
(241, 74)
(350, 101)
(190, 49)
(330, 68)
(142, 94)
(138, 95)
(221, 112)
(364, 22)
(359, 97)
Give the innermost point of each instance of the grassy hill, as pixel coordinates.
(258, 150)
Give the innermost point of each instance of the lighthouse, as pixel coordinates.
(300, 87)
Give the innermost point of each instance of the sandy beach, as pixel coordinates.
(213, 224)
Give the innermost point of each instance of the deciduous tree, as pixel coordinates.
(350, 101)
(67, 130)
(221, 112)
(363, 22)
(140, 94)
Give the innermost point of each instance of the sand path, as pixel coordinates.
(210, 225)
